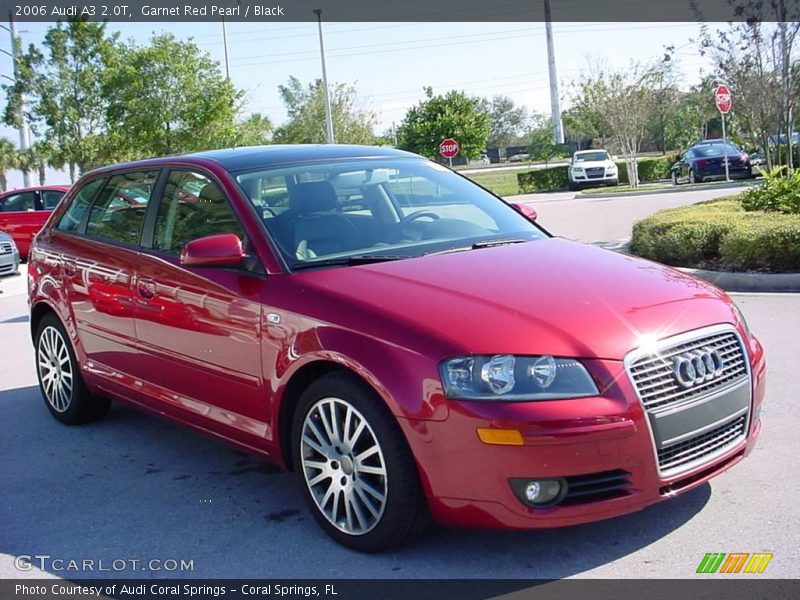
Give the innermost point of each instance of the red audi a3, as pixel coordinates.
(412, 346)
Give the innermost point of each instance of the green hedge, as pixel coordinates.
(556, 178)
(650, 169)
(720, 235)
(779, 193)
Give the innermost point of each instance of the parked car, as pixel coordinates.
(705, 161)
(521, 157)
(24, 211)
(9, 255)
(592, 167)
(408, 343)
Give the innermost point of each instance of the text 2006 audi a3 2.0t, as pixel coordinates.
(408, 343)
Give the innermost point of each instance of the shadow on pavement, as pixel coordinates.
(135, 486)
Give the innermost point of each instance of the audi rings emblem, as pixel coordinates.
(698, 366)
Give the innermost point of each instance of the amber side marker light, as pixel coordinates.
(500, 437)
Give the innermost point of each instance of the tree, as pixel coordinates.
(620, 103)
(540, 139)
(506, 121)
(756, 58)
(255, 130)
(305, 106)
(453, 115)
(64, 85)
(37, 158)
(8, 160)
(168, 97)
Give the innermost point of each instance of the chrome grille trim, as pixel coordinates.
(652, 375)
(5, 248)
(704, 447)
(709, 440)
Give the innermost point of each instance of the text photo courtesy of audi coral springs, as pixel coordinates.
(367, 319)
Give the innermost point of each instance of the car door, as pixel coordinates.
(97, 239)
(19, 218)
(199, 328)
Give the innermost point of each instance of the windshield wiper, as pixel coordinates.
(502, 242)
(356, 259)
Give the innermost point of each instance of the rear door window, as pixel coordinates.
(118, 212)
(51, 198)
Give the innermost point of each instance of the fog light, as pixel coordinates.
(538, 492)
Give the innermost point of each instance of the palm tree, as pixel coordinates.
(9, 159)
(38, 157)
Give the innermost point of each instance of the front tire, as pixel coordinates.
(357, 472)
(674, 179)
(693, 178)
(63, 389)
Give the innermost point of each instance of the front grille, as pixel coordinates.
(597, 486)
(595, 172)
(5, 248)
(655, 381)
(702, 447)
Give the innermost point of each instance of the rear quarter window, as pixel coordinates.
(73, 217)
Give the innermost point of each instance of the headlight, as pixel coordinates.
(740, 316)
(612, 168)
(577, 169)
(515, 378)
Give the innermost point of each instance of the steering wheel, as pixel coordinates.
(420, 214)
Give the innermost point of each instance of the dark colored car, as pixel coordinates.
(705, 161)
(24, 211)
(408, 343)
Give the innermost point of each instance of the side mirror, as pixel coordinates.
(526, 210)
(615, 158)
(221, 250)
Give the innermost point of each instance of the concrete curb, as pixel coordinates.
(749, 282)
(670, 190)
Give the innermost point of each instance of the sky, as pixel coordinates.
(390, 63)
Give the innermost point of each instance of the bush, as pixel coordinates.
(554, 178)
(779, 193)
(720, 235)
(650, 169)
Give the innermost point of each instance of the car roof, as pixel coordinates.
(251, 157)
(593, 150)
(37, 188)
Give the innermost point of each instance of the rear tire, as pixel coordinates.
(357, 472)
(64, 392)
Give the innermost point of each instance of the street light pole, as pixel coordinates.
(328, 116)
(225, 49)
(555, 106)
(24, 134)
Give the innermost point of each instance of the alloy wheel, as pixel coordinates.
(55, 369)
(343, 466)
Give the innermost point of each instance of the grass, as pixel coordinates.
(502, 183)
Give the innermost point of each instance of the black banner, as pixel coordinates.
(738, 588)
(402, 10)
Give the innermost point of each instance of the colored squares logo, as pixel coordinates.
(735, 562)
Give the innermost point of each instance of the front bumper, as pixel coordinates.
(584, 178)
(9, 264)
(467, 481)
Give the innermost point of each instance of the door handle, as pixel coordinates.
(146, 288)
(69, 266)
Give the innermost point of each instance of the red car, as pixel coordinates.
(413, 347)
(24, 211)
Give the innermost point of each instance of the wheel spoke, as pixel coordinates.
(349, 493)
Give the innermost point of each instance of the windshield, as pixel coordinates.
(591, 156)
(377, 208)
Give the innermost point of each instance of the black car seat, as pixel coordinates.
(318, 228)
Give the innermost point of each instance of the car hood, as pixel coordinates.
(593, 163)
(550, 296)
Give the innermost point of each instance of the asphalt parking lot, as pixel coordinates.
(135, 487)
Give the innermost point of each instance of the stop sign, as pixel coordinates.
(448, 148)
(722, 96)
